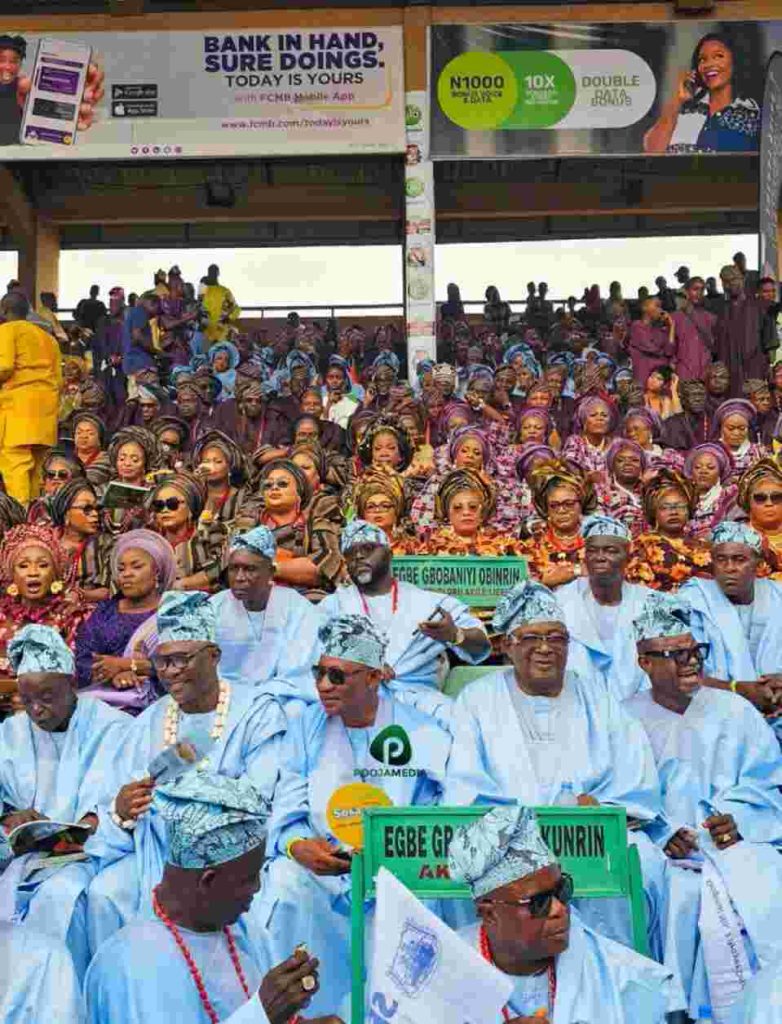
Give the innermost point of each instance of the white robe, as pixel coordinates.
(37, 979)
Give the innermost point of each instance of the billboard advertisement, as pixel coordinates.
(199, 94)
(515, 91)
(771, 169)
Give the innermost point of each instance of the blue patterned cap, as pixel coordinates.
(497, 849)
(662, 615)
(40, 649)
(729, 532)
(359, 531)
(598, 525)
(527, 602)
(386, 359)
(210, 818)
(353, 638)
(185, 615)
(260, 541)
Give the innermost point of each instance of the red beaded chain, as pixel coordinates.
(191, 964)
(394, 600)
(485, 951)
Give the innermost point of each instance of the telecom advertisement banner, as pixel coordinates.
(196, 94)
(515, 91)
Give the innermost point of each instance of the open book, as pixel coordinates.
(119, 495)
(47, 837)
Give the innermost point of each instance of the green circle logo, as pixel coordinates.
(547, 89)
(477, 90)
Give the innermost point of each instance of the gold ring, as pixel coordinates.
(308, 983)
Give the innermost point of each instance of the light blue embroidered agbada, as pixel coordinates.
(131, 863)
(605, 654)
(719, 757)
(37, 979)
(761, 1002)
(321, 755)
(63, 776)
(415, 658)
(272, 651)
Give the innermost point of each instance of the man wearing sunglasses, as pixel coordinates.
(737, 615)
(539, 733)
(560, 968)
(235, 730)
(420, 625)
(359, 746)
(720, 771)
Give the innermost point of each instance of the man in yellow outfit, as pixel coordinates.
(30, 379)
(219, 305)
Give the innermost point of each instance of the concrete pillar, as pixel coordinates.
(39, 259)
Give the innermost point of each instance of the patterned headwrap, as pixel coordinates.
(359, 531)
(687, 387)
(234, 456)
(623, 373)
(379, 480)
(315, 452)
(85, 416)
(529, 451)
(60, 503)
(92, 389)
(557, 472)
(386, 359)
(387, 423)
(185, 615)
(444, 373)
(297, 358)
(479, 372)
(503, 846)
(620, 444)
(450, 409)
(190, 487)
(463, 480)
(763, 469)
(40, 649)
(666, 479)
(528, 358)
(527, 602)
(158, 549)
(662, 615)
(651, 419)
(586, 406)
(535, 412)
(459, 436)
(30, 535)
(730, 532)
(353, 638)
(753, 385)
(211, 819)
(344, 366)
(724, 461)
(144, 438)
(163, 423)
(303, 488)
(234, 358)
(425, 366)
(732, 407)
(598, 525)
(260, 541)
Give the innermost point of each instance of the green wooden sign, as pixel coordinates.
(412, 842)
(479, 582)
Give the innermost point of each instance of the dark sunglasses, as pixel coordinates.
(57, 474)
(88, 510)
(279, 485)
(336, 676)
(683, 655)
(767, 498)
(540, 904)
(172, 504)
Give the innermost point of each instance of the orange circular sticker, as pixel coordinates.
(345, 807)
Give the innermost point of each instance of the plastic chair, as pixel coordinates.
(412, 843)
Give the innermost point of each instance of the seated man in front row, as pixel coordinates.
(419, 624)
(539, 733)
(188, 965)
(720, 771)
(563, 971)
(358, 747)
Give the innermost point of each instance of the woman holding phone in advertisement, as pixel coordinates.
(705, 115)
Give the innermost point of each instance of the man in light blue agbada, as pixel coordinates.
(234, 730)
(54, 763)
(563, 971)
(738, 616)
(267, 634)
(599, 610)
(538, 732)
(196, 957)
(721, 828)
(358, 747)
(420, 625)
(37, 979)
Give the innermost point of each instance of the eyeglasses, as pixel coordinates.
(172, 504)
(683, 655)
(540, 904)
(279, 485)
(336, 676)
(767, 498)
(568, 505)
(88, 510)
(57, 474)
(672, 506)
(538, 640)
(177, 661)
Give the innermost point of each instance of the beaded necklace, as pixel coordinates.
(394, 600)
(191, 964)
(485, 951)
(173, 714)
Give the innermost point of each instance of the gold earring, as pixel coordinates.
(57, 587)
(12, 590)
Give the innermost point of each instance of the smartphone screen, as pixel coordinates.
(51, 111)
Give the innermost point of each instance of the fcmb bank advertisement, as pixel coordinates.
(196, 94)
